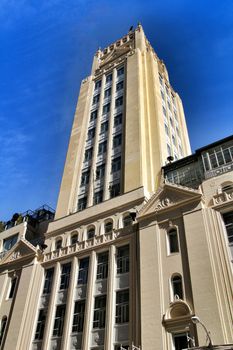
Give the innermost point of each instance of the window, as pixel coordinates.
(59, 321)
(97, 84)
(117, 140)
(65, 276)
(99, 312)
(48, 281)
(166, 129)
(108, 226)
(9, 242)
(116, 164)
(108, 78)
(119, 86)
(169, 152)
(102, 147)
(102, 266)
(177, 288)
(180, 341)
(178, 132)
(104, 127)
(98, 197)
(12, 288)
(228, 220)
(88, 154)
(167, 89)
(123, 259)
(96, 99)
(122, 306)
(91, 134)
(118, 119)
(114, 190)
(83, 271)
(120, 71)
(173, 140)
(162, 94)
(90, 232)
(85, 178)
(40, 324)
(100, 171)
(78, 319)
(74, 239)
(171, 122)
(106, 108)
(169, 105)
(93, 115)
(164, 111)
(3, 328)
(119, 102)
(127, 221)
(107, 93)
(121, 347)
(160, 79)
(173, 241)
(58, 244)
(82, 203)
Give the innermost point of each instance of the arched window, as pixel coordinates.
(58, 243)
(3, 328)
(127, 220)
(173, 245)
(90, 232)
(108, 226)
(74, 238)
(177, 288)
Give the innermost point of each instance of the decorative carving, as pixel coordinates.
(165, 202)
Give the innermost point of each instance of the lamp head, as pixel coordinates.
(195, 319)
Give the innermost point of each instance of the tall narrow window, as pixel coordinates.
(117, 140)
(78, 319)
(106, 108)
(96, 99)
(102, 147)
(98, 197)
(3, 328)
(58, 244)
(102, 266)
(48, 281)
(228, 220)
(74, 238)
(114, 189)
(118, 119)
(88, 154)
(177, 288)
(12, 288)
(91, 232)
(85, 178)
(127, 221)
(104, 127)
(122, 306)
(120, 71)
(123, 259)
(100, 171)
(97, 84)
(173, 245)
(83, 271)
(116, 164)
(107, 93)
(82, 203)
(120, 86)
(41, 324)
(94, 115)
(65, 276)
(59, 320)
(180, 341)
(108, 226)
(99, 312)
(119, 102)
(108, 78)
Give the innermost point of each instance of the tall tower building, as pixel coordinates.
(139, 254)
(127, 122)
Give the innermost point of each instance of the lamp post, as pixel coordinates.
(197, 320)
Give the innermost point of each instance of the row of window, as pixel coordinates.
(99, 316)
(108, 78)
(217, 157)
(122, 266)
(106, 107)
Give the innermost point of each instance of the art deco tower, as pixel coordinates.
(127, 122)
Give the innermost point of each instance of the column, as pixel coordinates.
(69, 305)
(110, 140)
(89, 302)
(51, 307)
(110, 312)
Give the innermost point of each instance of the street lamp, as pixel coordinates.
(197, 320)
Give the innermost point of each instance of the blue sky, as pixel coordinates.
(47, 48)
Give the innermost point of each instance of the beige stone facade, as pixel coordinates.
(138, 245)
